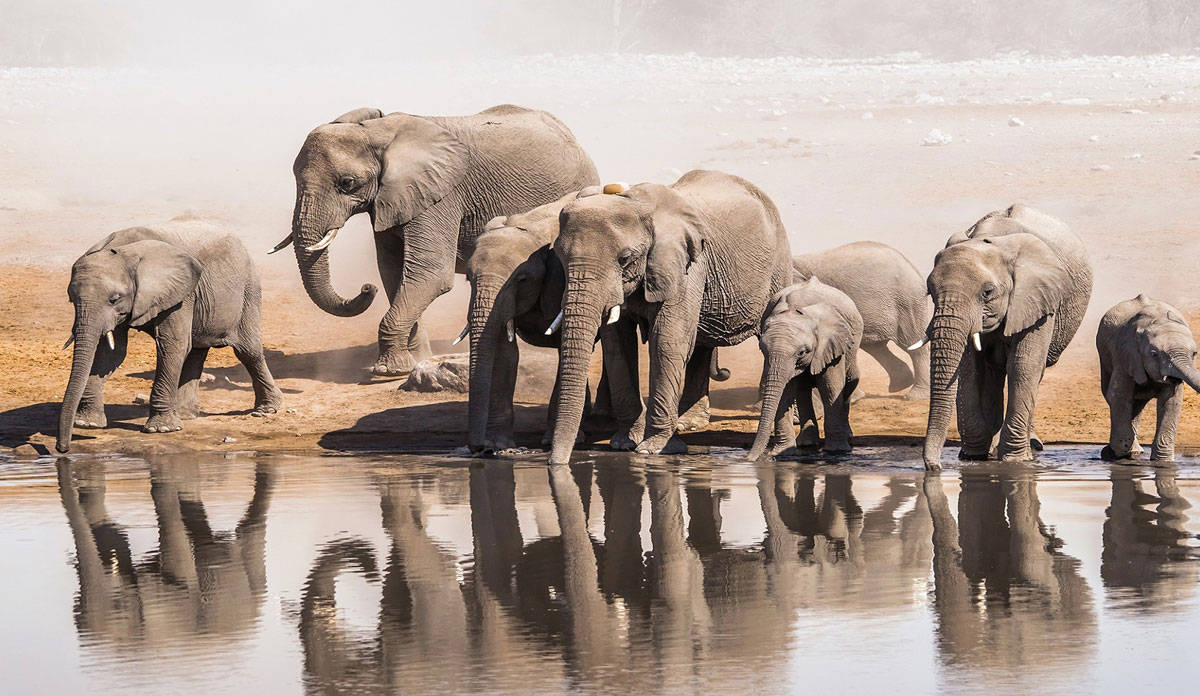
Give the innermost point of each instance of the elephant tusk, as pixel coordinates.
(918, 344)
(112, 345)
(69, 342)
(509, 327)
(461, 336)
(555, 324)
(976, 340)
(325, 241)
(614, 314)
(282, 245)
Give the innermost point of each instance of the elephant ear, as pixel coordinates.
(678, 243)
(834, 337)
(554, 283)
(1130, 339)
(1040, 284)
(164, 276)
(421, 164)
(358, 115)
(121, 238)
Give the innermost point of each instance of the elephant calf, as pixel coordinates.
(889, 293)
(811, 333)
(1146, 352)
(187, 283)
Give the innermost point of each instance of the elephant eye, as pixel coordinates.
(625, 257)
(115, 298)
(347, 184)
(1153, 353)
(988, 291)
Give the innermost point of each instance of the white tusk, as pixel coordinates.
(69, 342)
(976, 341)
(325, 241)
(918, 344)
(282, 245)
(555, 324)
(461, 336)
(614, 315)
(509, 327)
(112, 345)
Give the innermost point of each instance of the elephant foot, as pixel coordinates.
(663, 443)
(494, 444)
(809, 436)
(1035, 442)
(966, 456)
(270, 405)
(899, 384)
(839, 447)
(189, 413)
(1137, 449)
(1109, 454)
(696, 418)
(163, 423)
(1018, 455)
(91, 418)
(396, 363)
(622, 441)
(782, 447)
(917, 394)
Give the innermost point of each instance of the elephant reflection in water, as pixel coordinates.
(198, 582)
(1146, 549)
(1004, 594)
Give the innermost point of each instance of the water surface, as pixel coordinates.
(278, 574)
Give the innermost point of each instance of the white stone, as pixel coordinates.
(937, 138)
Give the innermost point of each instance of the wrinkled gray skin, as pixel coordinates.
(430, 184)
(696, 261)
(188, 284)
(1146, 352)
(811, 333)
(890, 295)
(1022, 279)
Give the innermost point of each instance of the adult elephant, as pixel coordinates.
(697, 261)
(430, 184)
(1015, 286)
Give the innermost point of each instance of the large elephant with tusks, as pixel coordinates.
(430, 184)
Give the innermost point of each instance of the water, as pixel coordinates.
(277, 574)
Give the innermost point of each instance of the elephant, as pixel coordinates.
(890, 295)
(430, 184)
(188, 283)
(696, 262)
(810, 337)
(1146, 352)
(1015, 286)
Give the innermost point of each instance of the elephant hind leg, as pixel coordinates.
(694, 413)
(900, 377)
(1139, 405)
(267, 397)
(188, 407)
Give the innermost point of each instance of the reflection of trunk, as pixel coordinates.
(948, 338)
(87, 337)
(1185, 369)
(581, 321)
(309, 225)
(778, 372)
(331, 658)
(487, 325)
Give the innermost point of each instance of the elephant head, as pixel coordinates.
(801, 333)
(114, 287)
(1159, 347)
(995, 285)
(611, 245)
(393, 167)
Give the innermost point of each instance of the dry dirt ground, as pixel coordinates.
(1106, 144)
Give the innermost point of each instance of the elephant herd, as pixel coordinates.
(509, 197)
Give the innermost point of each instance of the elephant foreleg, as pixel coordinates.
(1169, 406)
(1121, 432)
(784, 433)
(973, 427)
(835, 390)
(91, 405)
(619, 345)
(806, 415)
(499, 434)
(189, 384)
(1026, 365)
(1139, 405)
(672, 340)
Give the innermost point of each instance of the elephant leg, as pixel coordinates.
(499, 434)
(91, 405)
(1121, 432)
(1169, 406)
(672, 340)
(973, 426)
(900, 377)
(920, 369)
(173, 341)
(1139, 405)
(693, 403)
(602, 408)
(619, 344)
(249, 351)
(784, 434)
(805, 413)
(835, 390)
(189, 384)
(1026, 365)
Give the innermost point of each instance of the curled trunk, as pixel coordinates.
(777, 373)
(309, 225)
(86, 340)
(1185, 369)
(949, 332)
(486, 327)
(581, 322)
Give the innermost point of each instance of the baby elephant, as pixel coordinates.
(187, 283)
(810, 338)
(1146, 352)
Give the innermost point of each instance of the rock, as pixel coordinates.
(907, 121)
(439, 373)
(867, 116)
(25, 450)
(1076, 101)
(1133, 111)
(1094, 139)
(141, 399)
(206, 377)
(228, 438)
(1101, 168)
(1015, 122)
(1133, 156)
(292, 411)
(937, 138)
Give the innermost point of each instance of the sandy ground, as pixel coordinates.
(1106, 144)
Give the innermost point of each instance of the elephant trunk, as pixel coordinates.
(309, 226)
(948, 332)
(1183, 368)
(777, 372)
(487, 324)
(581, 323)
(87, 335)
